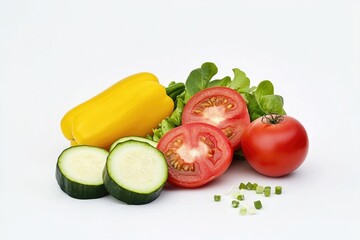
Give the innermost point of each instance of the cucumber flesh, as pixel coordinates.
(79, 171)
(139, 139)
(135, 172)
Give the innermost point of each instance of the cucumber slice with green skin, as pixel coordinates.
(139, 139)
(135, 172)
(79, 172)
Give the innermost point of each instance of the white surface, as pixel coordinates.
(56, 54)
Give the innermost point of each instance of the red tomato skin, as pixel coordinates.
(205, 171)
(237, 118)
(275, 150)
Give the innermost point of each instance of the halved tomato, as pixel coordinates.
(221, 107)
(196, 154)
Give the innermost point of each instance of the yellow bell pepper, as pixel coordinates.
(131, 107)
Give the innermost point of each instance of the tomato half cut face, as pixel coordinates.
(221, 107)
(196, 154)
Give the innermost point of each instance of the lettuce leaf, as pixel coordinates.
(262, 101)
(199, 78)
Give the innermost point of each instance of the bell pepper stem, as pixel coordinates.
(175, 89)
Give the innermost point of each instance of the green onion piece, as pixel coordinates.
(242, 186)
(217, 198)
(234, 204)
(254, 186)
(278, 190)
(257, 204)
(240, 197)
(267, 191)
(251, 210)
(243, 210)
(259, 190)
(249, 186)
(236, 193)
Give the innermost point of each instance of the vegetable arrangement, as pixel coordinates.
(135, 136)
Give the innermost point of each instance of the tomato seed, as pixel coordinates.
(219, 101)
(229, 132)
(229, 106)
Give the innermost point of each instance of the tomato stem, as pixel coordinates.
(272, 118)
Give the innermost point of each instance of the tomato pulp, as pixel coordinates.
(221, 107)
(275, 145)
(196, 154)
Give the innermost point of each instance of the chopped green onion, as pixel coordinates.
(278, 190)
(235, 204)
(242, 186)
(251, 211)
(236, 193)
(267, 191)
(257, 204)
(240, 197)
(259, 190)
(243, 210)
(217, 198)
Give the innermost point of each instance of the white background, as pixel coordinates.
(56, 54)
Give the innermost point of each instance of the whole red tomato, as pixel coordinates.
(275, 145)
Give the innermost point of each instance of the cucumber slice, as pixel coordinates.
(140, 139)
(79, 172)
(135, 172)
